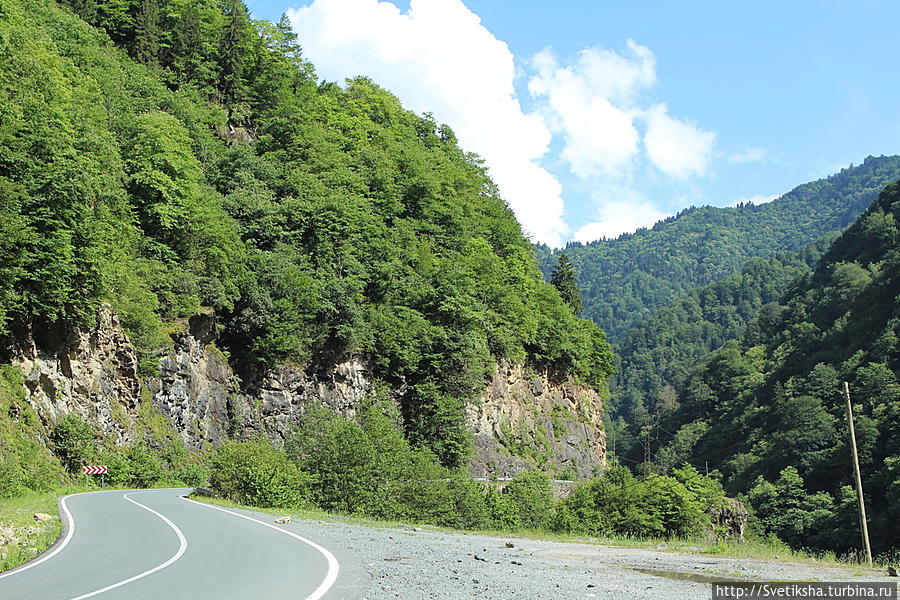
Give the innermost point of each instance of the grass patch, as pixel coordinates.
(21, 538)
(773, 551)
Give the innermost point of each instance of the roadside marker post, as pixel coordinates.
(100, 470)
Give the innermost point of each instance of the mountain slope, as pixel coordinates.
(768, 411)
(661, 350)
(174, 161)
(623, 281)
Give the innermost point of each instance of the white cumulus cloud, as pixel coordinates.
(677, 147)
(438, 58)
(620, 211)
(599, 103)
(591, 103)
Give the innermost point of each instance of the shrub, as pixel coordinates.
(73, 441)
(10, 478)
(341, 458)
(144, 468)
(193, 475)
(532, 500)
(255, 473)
(618, 504)
(501, 510)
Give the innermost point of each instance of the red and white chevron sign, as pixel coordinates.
(94, 469)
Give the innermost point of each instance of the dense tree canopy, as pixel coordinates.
(623, 281)
(767, 410)
(659, 352)
(163, 155)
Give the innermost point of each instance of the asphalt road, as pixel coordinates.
(156, 545)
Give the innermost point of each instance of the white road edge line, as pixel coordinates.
(175, 557)
(69, 523)
(333, 567)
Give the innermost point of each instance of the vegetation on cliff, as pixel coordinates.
(185, 156)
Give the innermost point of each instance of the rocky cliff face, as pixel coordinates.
(90, 373)
(196, 389)
(93, 374)
(198, 392)
(523, 419)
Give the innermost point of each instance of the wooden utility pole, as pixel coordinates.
(863, 526)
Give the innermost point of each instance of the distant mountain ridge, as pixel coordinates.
(623, 281)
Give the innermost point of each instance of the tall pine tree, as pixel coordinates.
(86, 9)
(147, 32)
(564, 279)
(232, 51)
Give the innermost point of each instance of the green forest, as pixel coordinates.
(180, 155)
(623, 281)
(766, 410)
(657, 353)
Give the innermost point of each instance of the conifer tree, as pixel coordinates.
(147, 32)
(232, 51)
(86, 9)
(564, 279)
(187, 46)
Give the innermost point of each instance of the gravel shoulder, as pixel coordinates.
(380, 563)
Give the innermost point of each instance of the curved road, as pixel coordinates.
(157, 545)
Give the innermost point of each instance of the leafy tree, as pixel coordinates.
(86, 9)
(788, 511)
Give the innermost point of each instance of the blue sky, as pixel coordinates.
(598, 117)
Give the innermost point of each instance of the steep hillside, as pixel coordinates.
(768, 411)
(623, 281)
(658, 353)
(178, 159)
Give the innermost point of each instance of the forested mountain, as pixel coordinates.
(170, 159)
(179, 155)
(659, 352)
(767, 411)
(624, 280)
(176, 163)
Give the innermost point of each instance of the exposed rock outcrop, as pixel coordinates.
(196, 389)
(523, 419)
(528, 419)
(198, 392)
(730, 519)
(279, 399)
(91, 373)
